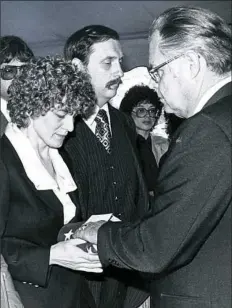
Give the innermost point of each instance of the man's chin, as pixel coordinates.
(111, 92)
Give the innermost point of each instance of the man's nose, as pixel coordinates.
(118, 70)
(153, 84)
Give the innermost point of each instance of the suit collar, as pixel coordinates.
(33, 167)
(47, 196)
(210, 93)
(226, 90)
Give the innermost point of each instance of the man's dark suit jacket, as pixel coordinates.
(86, 154)
(30, 222)
(3, 124)
(186, 242)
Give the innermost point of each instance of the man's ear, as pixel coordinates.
(79, 64)
(195, 63)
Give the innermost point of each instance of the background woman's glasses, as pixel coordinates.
(143, 112)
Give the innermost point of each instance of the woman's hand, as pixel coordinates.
(69, 255)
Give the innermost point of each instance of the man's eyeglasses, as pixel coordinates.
(154, 72)
(143, 112)
(9, 72)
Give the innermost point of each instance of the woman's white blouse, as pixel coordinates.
(38, 174)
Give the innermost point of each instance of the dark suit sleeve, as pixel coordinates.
(26, 260)
(194, 191)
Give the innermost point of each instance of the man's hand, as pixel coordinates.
(69, 255)
(88, 231)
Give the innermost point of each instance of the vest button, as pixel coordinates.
(116, 198)
(114, 183)
(112, 167)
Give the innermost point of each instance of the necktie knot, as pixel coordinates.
(103, 130)
(102, 116)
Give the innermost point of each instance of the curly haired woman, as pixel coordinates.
(37, 192)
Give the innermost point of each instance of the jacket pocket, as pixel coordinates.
(178, 301)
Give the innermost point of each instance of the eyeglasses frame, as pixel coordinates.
(155, 69)
(147, 112)
(18, 67)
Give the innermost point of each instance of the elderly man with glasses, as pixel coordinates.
(13, 54)
(185, 242)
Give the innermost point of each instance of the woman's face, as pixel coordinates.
(52, 128)
(142, 116)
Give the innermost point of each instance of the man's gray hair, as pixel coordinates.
(182, 29)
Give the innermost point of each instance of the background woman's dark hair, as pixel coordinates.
(13, 47)
(138, 94)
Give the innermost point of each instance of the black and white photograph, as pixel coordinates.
(115, 154)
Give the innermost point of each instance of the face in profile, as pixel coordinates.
(51, 129)
(8, 73)
(104, 67)
(144, 116)
(172, 87)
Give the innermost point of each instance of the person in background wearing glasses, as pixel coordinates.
(14, 53)
(143, 105)
(186, 241)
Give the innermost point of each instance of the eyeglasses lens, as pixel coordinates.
(9, 72)
(142, 112)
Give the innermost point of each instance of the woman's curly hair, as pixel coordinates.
(138, 94)
(42, 86)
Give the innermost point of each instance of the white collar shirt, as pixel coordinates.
(38, 174)
(210, 92)
(91, 123)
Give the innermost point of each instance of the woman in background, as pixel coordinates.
(37, 192)
(143, 105)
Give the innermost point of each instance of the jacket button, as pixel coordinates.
(36, 286)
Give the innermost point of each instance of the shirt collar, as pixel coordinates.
(92, 118)
(210, 92)
(34, 169)
(4, 109)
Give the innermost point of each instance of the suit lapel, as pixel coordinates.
(3, 123)
(80, 173)
(47, 196)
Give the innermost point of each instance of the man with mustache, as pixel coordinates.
(103, 154)
(186, 241)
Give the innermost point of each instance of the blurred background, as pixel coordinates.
(45, 25)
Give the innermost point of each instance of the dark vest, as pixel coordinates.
(110, 181)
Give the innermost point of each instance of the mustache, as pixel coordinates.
(113, 82)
